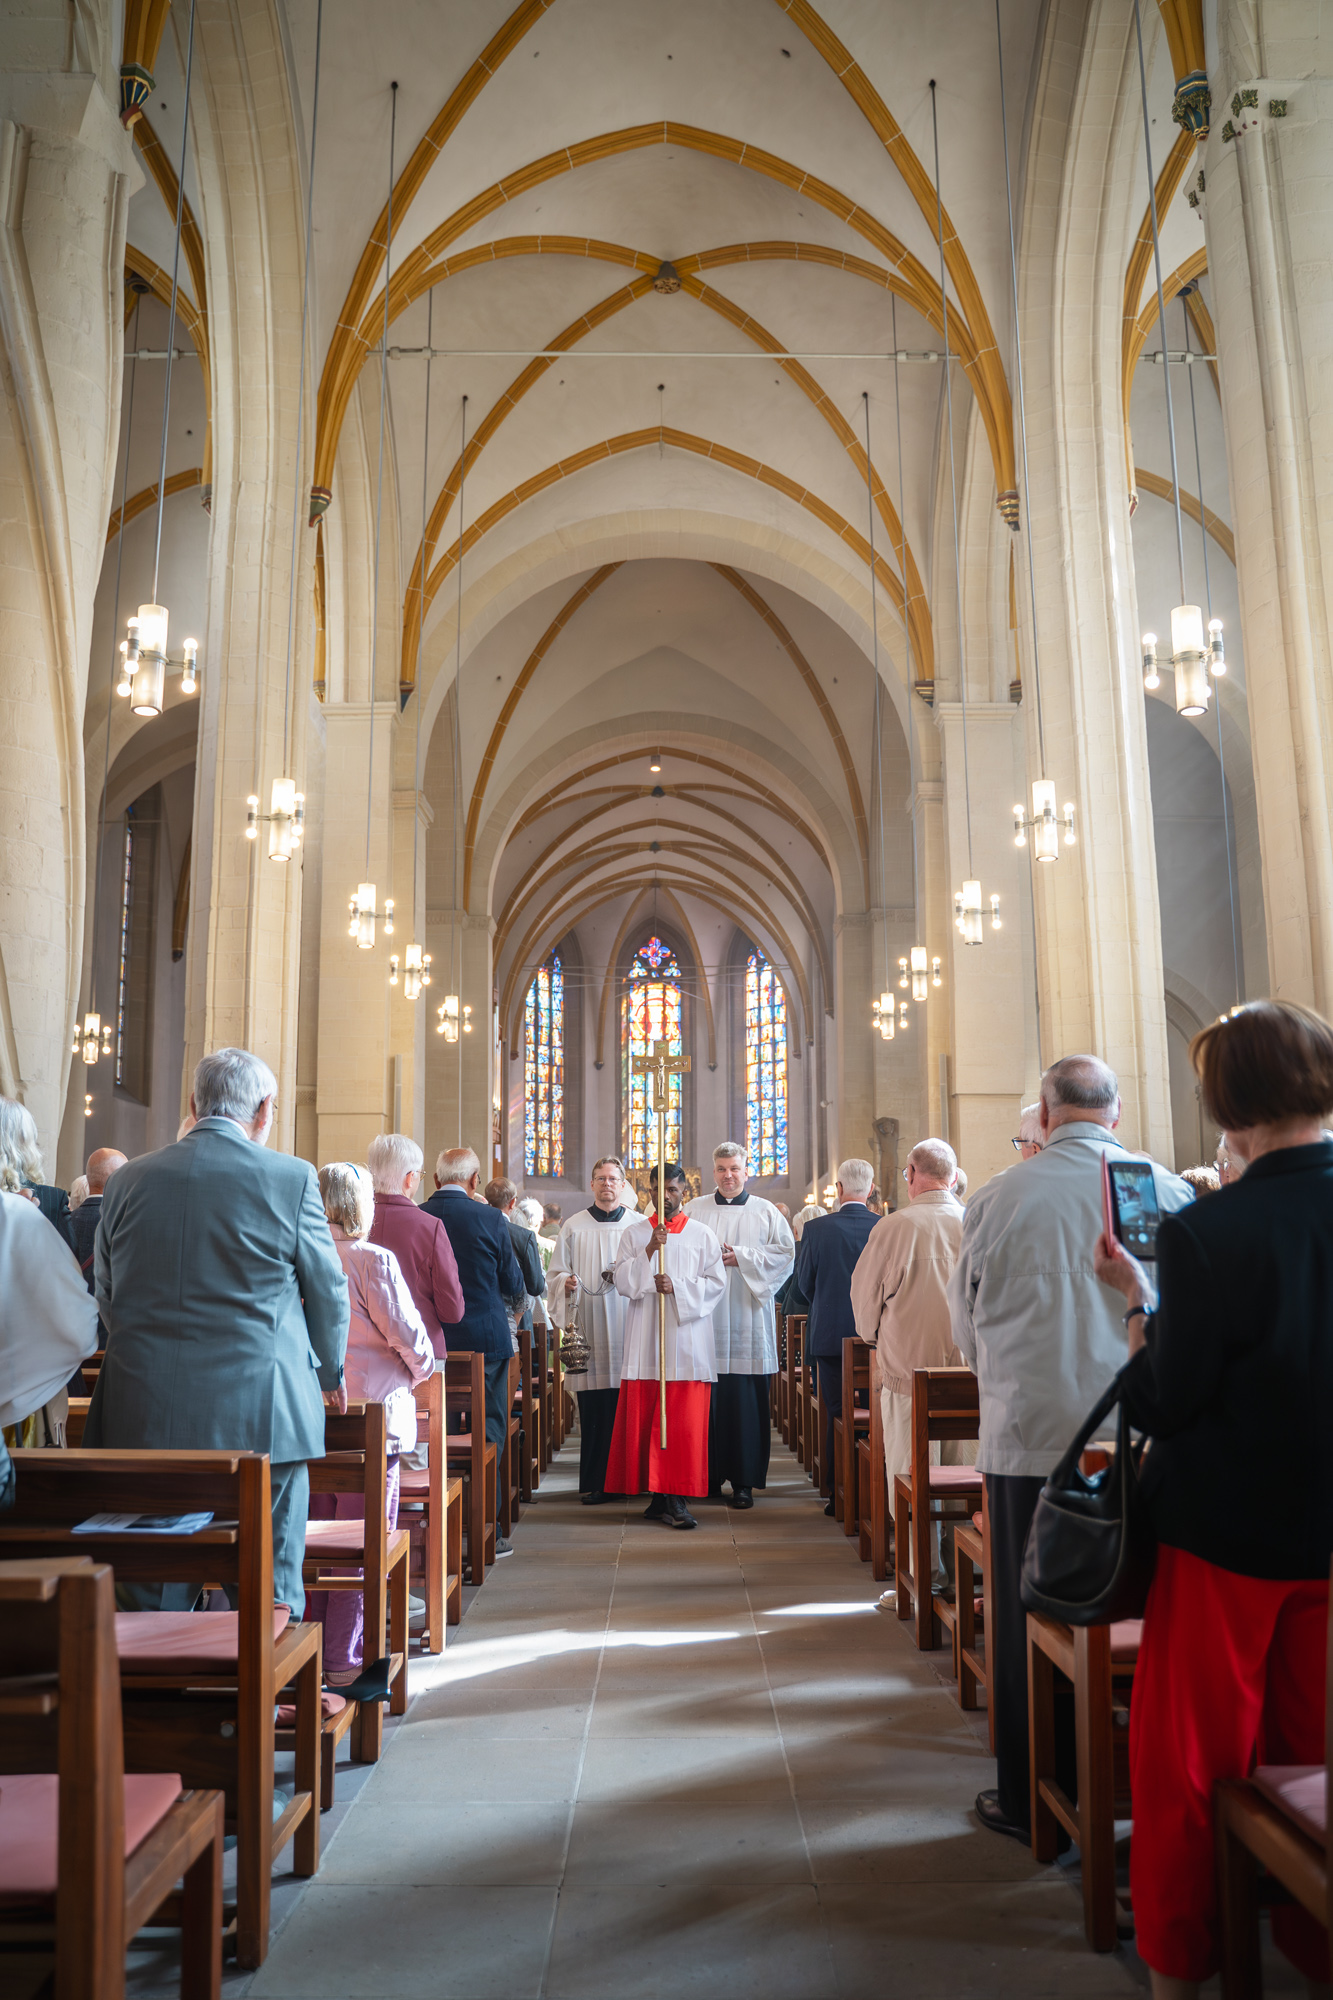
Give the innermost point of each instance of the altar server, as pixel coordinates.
(693, 1283)
(758, 1250)
(582, 1276)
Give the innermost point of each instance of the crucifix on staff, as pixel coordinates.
(658, 1067)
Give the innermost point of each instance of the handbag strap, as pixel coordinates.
(1095, 1418)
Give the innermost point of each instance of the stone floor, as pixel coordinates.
(651, 1766)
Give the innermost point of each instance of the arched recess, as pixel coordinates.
(633, 917)
(413, 275)
(139, 503)
(745, 323)
(576, 975)
(139, 265)
(1162, 489)
(679, 936)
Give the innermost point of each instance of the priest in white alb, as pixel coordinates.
(758, 1250)
(692, 1283)
(581, 1276)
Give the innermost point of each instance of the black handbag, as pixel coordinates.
(1090, 1551)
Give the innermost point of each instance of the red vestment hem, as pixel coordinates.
(638, 1463)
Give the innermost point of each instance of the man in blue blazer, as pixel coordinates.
(825, 1259)
(224, 1303)
(488, 1272)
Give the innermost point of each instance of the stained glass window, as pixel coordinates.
(650, 1012)
(544, 1073)
(765, 1068)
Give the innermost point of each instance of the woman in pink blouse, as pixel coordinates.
(388, 1350)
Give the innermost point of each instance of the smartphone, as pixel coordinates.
(1130, 1205)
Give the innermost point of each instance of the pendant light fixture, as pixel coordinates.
(881, 1010)
(1217, 659)
(365, 914)
(1045, 823)
(967, 900)
(1189, 649)
(416, 970)
(454, 1017)
(285, 817)
(144, 659)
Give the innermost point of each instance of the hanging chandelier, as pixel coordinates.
(452, 1017)
(144, 658)
(365, 915)
(416, 971)
(1044, 824)
(285, 819)
(92, 1040)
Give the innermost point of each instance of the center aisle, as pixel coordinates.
(654, 1763)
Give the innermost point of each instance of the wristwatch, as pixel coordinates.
(1127, 1317)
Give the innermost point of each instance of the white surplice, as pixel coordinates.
(695, 1268)
(745, 1333)
(585, 1248)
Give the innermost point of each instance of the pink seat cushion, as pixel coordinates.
(29, 1828)
(334, 1538)
(1126, 1637)
(978, 1524)
(330, 1705)
(1301, 1792)
(179, 1642)
(959, 1479)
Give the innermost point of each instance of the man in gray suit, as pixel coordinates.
(224, 1300)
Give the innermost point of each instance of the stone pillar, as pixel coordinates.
(854, 980)
(1269, 176)
(243, 956)
(66, 175)
(355, 1086)
(410, 1020)
(986, 997)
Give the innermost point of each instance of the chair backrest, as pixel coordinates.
(58, 1643)
(945, 1405)
(430, 1404)
(465, 1395)
(356, 1460)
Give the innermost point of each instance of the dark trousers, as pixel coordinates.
(597, 1423)
(1013, 1502)
(740, 1432)
(497, 1398)
(828, 1369)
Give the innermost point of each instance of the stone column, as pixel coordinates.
(66, 174)
(410, 1020)
(1269, 178)
(854, 980)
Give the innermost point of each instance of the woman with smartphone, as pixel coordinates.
(1231, 1375)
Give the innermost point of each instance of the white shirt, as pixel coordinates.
(745, 1334)
(695, 1268)
(1028, 1312)
(48, 1317)
(584, 1249)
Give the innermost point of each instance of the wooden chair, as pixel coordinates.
(1276, 1824)
(471, 1458)
(945, 1406)
(852, 1422)
(873, 1493)
(530, 1424)
(356, 1461)
(541, 1373)
(972, 1662)
(555, 1392)
(87, 1854)
(199, 1693)
(805, 1393)
(1099, 1661)
(511, 1457)
(430, 1504)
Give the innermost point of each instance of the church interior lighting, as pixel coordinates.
(452, 1017)
(919, 971)
(92, 1040)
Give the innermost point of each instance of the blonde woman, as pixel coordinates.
(388, 1351)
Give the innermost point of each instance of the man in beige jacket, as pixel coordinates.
(899, 1294)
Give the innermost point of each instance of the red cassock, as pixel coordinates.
(638, 1463)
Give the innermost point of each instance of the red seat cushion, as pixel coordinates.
(1301, 1792)
(978, 1523)
(29, 1827)
(1126, 1638)
(330, 1705)
(177, 1642)
(956, 1479)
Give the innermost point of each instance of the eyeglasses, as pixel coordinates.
(907, 1170)
(1018, 1144)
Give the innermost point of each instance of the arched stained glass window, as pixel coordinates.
(544, 1073)
(765, 1068)
(650, 1012)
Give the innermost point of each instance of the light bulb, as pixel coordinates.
(995, 913)
(1045, 831)
(91, 1039)
(467, 1020)
(1151, 677)
(126, 680)
(1217, 659)
(1020, 827)
(902, 973)
(87, 1105)
(903, 1016)
(655, 761)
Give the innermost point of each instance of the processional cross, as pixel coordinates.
(660, 1066)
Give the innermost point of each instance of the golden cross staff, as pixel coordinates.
(660, 1065)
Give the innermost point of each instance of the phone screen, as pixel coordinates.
(1137, 1213)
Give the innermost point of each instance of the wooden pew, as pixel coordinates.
(805, 1390)
(873, 1492)
(356, 1461)
(972, 1662)
(530, 1422)
(1274, 1823)
(1099, 1661)
(510, 1468)
(120, 1844)
(852, 1421)
(199, 1692)
(471, 1458)
(945, 1406)
(541, 1373)
(430, 1504)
